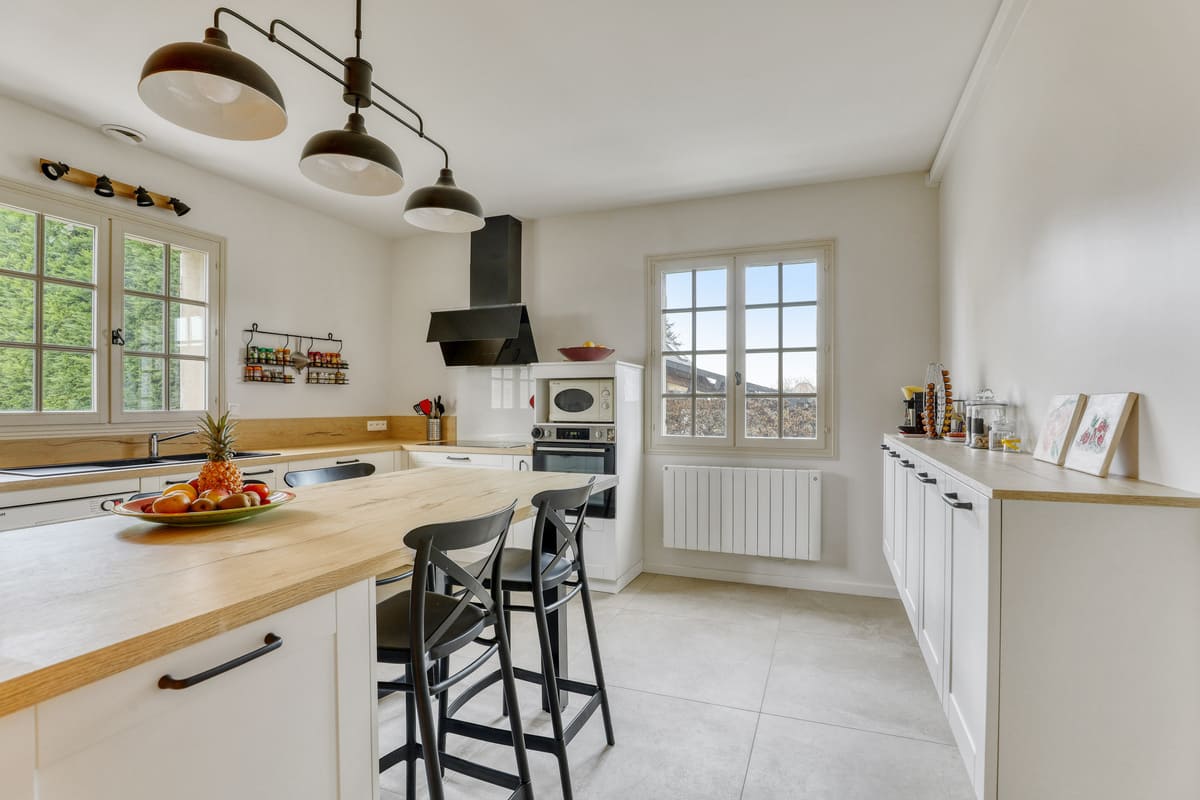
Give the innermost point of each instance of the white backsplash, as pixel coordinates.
(493, 403)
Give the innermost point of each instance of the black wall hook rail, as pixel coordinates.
(254, 330)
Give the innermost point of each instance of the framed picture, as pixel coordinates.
(1059, 428)
(1100, 428)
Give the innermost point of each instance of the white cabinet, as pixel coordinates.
(910, 587)
(17, 755)
(273, 727)
(890, 457)
(454, 459)
(27, 508)
(270, 474)
(899, 519)
(521, 533)
(967, 654)
(935, 570)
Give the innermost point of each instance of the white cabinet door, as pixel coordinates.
(270, 474)
(454, 459)
(889, 504)
(966, 679)
(899, 517)
(268, 728)
(931, 629)
(522, 463)
(910, 590)
(18, 739)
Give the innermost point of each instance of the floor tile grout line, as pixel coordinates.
(750, 757)
(855, 728)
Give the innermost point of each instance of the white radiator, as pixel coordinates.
(753, 512)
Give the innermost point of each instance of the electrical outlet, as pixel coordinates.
(377, 425)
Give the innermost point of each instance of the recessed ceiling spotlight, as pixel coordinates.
(122, 133)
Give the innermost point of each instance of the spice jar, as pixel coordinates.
(1000, 431)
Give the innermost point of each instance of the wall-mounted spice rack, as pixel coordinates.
(269, 364)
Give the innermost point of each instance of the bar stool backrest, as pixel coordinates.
(553, 506)
(432, 543)
(339, 472)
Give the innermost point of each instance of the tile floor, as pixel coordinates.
(723, 691)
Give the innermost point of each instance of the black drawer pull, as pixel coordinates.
(347, 461)
(923, 477)
(271, 642)
(883, 447)
(893, 454)
(458, 458)
(260, 472)
(907, 464)
(951, 499)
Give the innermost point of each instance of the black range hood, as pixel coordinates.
(495, 330)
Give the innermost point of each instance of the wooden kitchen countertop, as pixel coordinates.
(1019, 476)
(83, 600)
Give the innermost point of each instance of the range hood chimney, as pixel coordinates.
(495, 329)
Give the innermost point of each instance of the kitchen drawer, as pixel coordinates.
(18, 736)
(22, 497)
(484, 460)
(384, 461)
(28, 516)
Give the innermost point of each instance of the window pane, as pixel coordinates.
(762, 417)
(711, 330)
(800, 373)
(800, 326)
(16, 309)
(677, 332)
(710, 374)
(762, 373)
(142, 386)
(677, 287)
(18, 238)
(677, 416)
(188, 329)
(762, 328)
(143, 324)
(800, 418)
(677, 374)
(800, 282)
(762, 284)
(710, 287)
(144, 266)
(16, 379)
(186, 390)
(67, 380)
(710, 416)
(67, 315)
(70, 251)
(189, 273)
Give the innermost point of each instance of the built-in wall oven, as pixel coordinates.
(587, 449)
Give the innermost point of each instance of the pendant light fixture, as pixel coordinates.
(207, 87)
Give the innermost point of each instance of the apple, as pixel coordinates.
(216, 495)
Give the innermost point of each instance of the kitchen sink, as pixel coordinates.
(116, 464)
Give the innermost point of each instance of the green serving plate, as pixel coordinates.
(140, 509)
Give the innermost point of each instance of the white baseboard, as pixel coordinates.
(782, 581)
(613, 587)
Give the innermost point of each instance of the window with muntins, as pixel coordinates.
(102, 320)
(741, 351)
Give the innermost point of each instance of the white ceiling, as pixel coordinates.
(547, 107)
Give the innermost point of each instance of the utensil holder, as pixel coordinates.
(433, 429)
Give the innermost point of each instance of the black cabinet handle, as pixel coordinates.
(951, 499)
(907, 464)
(271, 642)
(260, 472)
(923, 477)
(893, 454)
(347, 461)
(883, 447)
(458, 458)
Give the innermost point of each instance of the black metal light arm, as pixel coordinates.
(271, 36)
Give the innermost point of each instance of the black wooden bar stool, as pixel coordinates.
(555, 576)
(420, 629)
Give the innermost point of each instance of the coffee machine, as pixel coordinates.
(914, 406)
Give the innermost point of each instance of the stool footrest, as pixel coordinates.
(462, 766)
(564, 684)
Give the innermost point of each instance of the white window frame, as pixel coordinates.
(111, 223)
(735, 261)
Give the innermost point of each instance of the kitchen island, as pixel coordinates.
(95, 611)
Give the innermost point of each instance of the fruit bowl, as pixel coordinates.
(586, 353)
(140, 509)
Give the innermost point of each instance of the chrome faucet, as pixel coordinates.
(157, 437)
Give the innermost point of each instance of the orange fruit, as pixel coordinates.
(186, 488)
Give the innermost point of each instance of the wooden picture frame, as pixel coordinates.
(1058, 429)
(1100, 427)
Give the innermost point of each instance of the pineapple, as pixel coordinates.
(219, 472)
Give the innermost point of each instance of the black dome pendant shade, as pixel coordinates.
(208, 88)
(349, 160)
(444, 207)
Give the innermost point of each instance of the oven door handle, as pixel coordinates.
(591, 451)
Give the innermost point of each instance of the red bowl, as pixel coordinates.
(586, 353)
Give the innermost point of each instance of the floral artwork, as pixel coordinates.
(1061, 422)
(1100, 427)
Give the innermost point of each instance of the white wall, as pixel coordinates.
(585, 278)
(288, 268)
(1071, 221)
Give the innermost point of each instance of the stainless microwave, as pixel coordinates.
(581, 400)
